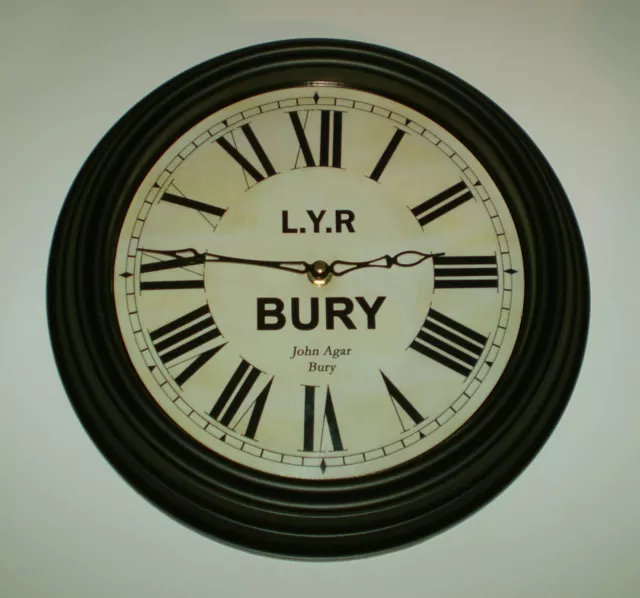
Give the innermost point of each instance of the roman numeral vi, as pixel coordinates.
(329, 423)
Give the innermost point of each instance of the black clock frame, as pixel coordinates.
(300, 518)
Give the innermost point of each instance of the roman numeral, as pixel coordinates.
(400, 402)
(330, 145)
(449, 343)
(442, 203)
(182, 338)
(465, 272)
(235, 394)
(241, 159)
(329, 423)
(192, 204)
(376, 173)
(189, 270)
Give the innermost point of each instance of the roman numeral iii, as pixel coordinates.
(235, 405)
(449, 343)
(328, 149)
(329, 432)
(465, 272)
(442, 203)
(187, 340)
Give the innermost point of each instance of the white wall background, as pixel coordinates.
(567, 70)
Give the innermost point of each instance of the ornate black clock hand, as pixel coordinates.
(413, 258)
(319, 272)
(190, 256)
(181, 259)
(297, 267)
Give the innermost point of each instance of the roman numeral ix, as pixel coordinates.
(449, 343)
(187, 269)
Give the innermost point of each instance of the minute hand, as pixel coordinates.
(297, 267)
(190, 256)
(404, 259)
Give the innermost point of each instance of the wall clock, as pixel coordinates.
(317, 298)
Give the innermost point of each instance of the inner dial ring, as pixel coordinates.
(333, 380)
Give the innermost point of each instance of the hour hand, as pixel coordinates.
(404, 259)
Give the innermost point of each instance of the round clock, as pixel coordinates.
(317, 298)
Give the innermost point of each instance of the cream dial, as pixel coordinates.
(267, 366)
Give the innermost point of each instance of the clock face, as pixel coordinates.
(303, 376)
(317, 298)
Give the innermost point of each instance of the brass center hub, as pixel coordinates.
(319, 274)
